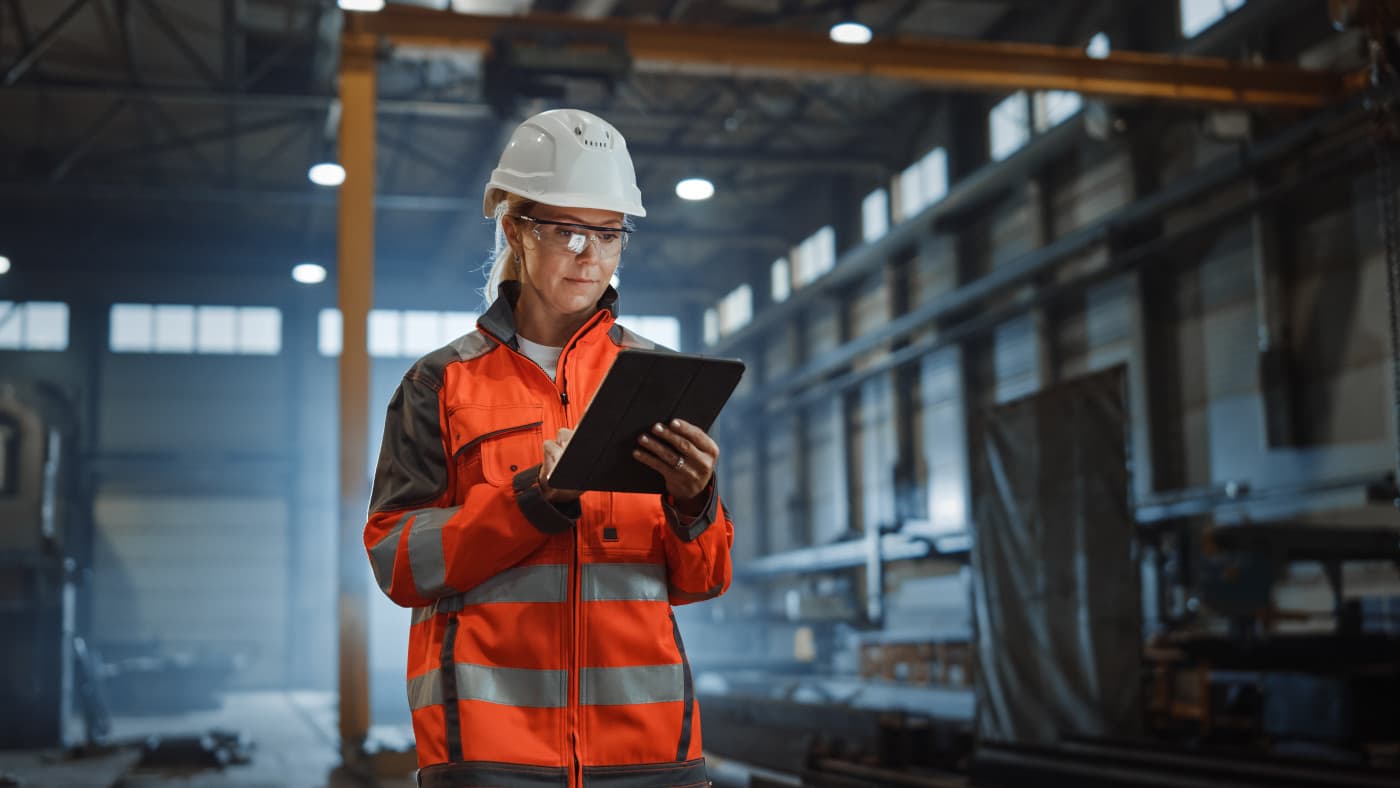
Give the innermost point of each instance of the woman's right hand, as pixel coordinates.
(553, 450)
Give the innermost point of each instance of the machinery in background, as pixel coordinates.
(44, 542)
(1329, 692)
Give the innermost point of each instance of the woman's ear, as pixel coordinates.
(511, 227)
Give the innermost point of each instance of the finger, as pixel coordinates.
(697, 436)
(661, 450)
(676, 441)
(667, 470)
(565, 435)
(552, 452)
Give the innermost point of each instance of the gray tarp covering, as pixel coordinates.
(1056, 590)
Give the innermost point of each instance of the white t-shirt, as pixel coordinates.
(544, 355)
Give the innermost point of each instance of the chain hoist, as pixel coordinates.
(1380, 19)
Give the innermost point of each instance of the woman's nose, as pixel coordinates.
(590, 248)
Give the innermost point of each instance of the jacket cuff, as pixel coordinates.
(548, 517)
(684, 527)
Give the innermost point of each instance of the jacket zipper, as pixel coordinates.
(575, 604)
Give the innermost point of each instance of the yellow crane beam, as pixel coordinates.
(956, 64)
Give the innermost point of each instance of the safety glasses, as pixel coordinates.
(568, 237)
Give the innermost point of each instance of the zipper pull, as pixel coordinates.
(564, 398)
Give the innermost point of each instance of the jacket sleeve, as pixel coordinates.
(697, 551)
(421, 546)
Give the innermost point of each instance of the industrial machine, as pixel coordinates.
(41, 551)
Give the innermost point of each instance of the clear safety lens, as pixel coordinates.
(561, 236)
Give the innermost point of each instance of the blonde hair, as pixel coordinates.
(505, 263)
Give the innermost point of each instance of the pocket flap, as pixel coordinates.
(509, 437)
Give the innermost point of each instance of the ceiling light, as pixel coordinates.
(695, 189)
(368, 6)
(327, 173)
(850, 33)
(4, 264)
(309, 273)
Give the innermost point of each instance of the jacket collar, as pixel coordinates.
(499, 320)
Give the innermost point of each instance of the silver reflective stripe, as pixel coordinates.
(545, 689)
(382, 555)
(624, 686)
(616, 582)
(421, 614)
(544, 583)
(425, 690)
(425, 550)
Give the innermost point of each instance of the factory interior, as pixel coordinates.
(1064, 455)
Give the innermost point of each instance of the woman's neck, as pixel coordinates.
(539, 324)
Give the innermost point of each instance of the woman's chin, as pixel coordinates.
(576, 300)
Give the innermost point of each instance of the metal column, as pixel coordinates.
(355, 273)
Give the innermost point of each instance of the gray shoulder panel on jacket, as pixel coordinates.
(627, 338)
(429, 368)
(473, 345)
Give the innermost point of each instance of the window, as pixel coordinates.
(260, 330)
(1099, 46)
(782, 280)
(394, 333)
(385, 333)
(711, 328)
(662, 329)
(907, 192)
(933, 177)
(173, 329)
(922, 184)
(182, 328)
(1010, 125)
(735, 309)
(33, 325)
(216, 329)
(874, 218)
(1053, 107)
(814, 256)
(1197, 15)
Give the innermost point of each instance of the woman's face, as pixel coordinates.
(557, 279)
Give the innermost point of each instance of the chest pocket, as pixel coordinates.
(509, 438)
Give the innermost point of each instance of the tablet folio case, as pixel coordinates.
(642, 387)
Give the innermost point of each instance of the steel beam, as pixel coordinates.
(89, 138)
(450, 111)
(157, 15)
(968, 65)
(41, 44)
(355, 275)
(814, 381)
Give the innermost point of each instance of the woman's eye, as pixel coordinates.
(564, 234)
(608, 238)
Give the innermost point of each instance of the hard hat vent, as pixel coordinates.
(599, 139)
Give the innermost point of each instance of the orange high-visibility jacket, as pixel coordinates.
(543, 650)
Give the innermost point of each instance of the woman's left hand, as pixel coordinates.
(684, 456)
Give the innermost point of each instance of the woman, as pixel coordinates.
(543, 650)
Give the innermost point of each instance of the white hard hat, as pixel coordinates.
(569, 158)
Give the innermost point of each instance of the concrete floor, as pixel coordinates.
(294, 746)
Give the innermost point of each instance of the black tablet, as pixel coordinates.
(642, 387)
